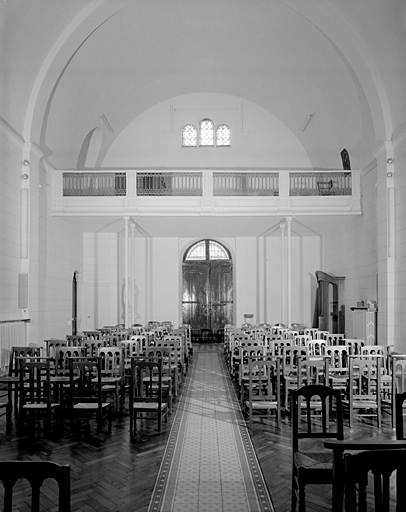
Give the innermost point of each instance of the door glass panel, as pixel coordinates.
(207, 301)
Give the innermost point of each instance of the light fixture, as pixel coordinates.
(107, 123)
(389, 174)
(307, 121)
(390, 161)
(26, 162)
(25, 177)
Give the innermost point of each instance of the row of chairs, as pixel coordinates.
(115, 370)
(365, 389)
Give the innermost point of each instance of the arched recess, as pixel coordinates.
(207, 298)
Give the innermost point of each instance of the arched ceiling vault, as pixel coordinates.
(86, 57)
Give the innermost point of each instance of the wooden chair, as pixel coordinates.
(169, 372)
(60, 375)
(335, 339)
(52, 345)
(354, 345)
(302, 340)
(263, 388)
(35, 392)
(339, 358)
(86, 400)
(381, 464)
(340, 448)
(290, 359)
(11, 381)
(317, 347)
(399, 414)
(312, 370)
(112, 370)
(313, 464)
(146, 392)
(364, 397)
(35, 472)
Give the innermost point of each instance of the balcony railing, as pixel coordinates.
(320, 184)
(94, 184)
(169, 184)
(223, 192)
(245, 184)
(190, 183)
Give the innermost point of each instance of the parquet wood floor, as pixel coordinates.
(112, 472)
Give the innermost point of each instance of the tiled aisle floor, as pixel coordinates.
(209, 464)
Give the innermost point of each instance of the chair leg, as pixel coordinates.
(302, 498)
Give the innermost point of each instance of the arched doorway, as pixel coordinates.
(207, 301)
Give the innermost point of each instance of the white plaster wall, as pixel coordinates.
(158, 278)
(55, 253)
(400, 248)
(305, 260)
(102, 290)
(351, 250)
(55, 247)
(259, 139)
(10, 222)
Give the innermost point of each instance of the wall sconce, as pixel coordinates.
(390, 161)
(26, 162)
(25, 177)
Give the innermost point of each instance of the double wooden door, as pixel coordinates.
(207, 301)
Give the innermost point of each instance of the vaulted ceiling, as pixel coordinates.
(63, 63)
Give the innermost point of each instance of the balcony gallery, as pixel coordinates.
(212, 192)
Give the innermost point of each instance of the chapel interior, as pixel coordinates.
(212, 164)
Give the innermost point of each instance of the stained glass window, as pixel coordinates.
(207, 249)
(189, 136)
(206, 132)
(223, 135)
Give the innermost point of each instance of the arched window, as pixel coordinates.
(189, 136)
(206, 132)
(207, 250)
(223, 135)
(206, 136)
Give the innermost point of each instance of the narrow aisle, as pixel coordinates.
(209, 464)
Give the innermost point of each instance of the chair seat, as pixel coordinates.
(39, 406)
(314, 460)
(362, 404)
(89, 406)
(262, 404)
(149, 406)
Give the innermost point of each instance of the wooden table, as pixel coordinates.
(339, 447)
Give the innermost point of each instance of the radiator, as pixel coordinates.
(12, 334)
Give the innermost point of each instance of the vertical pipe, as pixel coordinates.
(126, 294)
(74, 304)
(132, 275)
(283, 299)
(289, 270)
